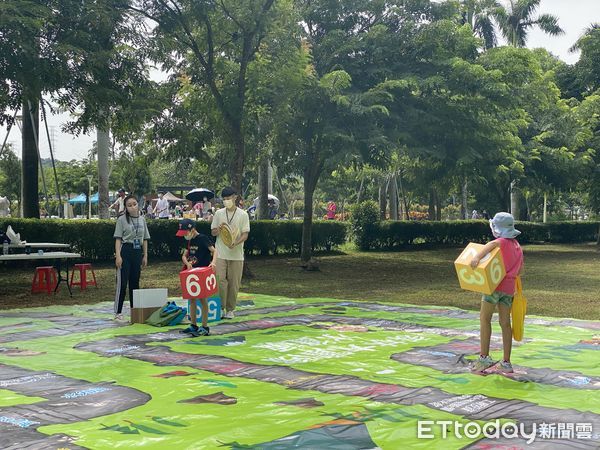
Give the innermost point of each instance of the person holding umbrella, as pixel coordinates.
(231, 226)
(200, 198)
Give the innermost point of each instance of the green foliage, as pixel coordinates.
(133, 174)
(10, 174)
(365, 224)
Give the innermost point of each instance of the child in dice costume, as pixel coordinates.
(199, 252)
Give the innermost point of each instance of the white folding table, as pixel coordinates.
(56, 257)
(39, 245)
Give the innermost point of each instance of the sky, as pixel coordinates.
(574, 16)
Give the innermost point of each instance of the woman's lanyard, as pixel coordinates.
(135, 225)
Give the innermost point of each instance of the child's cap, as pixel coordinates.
(184, 226)
(503, 226)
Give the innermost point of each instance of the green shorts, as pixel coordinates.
(498, 298)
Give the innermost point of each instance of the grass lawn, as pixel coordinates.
(559, 280)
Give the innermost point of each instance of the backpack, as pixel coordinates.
(168, 315)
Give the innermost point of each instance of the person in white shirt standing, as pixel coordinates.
(119, 203)
(230, 259)
(162, 207)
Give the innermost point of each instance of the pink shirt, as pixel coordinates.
(331, 207)
(513, 261)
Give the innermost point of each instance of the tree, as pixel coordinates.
(10, 174)
(587, 69)
(65, 51)
(518, 18)
(480, 15)
(212, 43)
(133, 173)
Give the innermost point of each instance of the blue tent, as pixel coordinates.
(82, 198)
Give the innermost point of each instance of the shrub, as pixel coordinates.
(365, 224)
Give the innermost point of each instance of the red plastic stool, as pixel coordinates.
(44, 279)
(83, 281)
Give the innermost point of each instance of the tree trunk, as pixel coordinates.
(514, 200)
(382, 199)
(431, 209)
(464, 199)
(103, 144)
(270, 177)
(438, 207)
(360, 188)
(306, 252)
(545, 216)
(311, 176)
(30, 172)
(393, 197)
(237, 167)
(404, 201)
(263, 188)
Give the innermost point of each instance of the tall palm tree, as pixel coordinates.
(480, 15)
(516, 21)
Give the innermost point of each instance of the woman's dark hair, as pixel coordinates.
(130, 196)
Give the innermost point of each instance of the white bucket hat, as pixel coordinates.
(503, 226)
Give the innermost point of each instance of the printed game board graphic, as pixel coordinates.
(67, 401)
(291, 373)
(452, 358)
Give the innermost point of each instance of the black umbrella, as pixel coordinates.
(198, 194)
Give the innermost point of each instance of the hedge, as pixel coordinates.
(93, 238)
(393, 235)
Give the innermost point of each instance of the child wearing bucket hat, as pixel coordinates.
(503, 229)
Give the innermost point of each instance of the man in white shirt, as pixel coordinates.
(162, 207)
(230, 259)
(119, 203)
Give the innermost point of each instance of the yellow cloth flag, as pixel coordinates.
(518, 311)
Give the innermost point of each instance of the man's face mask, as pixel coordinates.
(188, 237)
(228, 203)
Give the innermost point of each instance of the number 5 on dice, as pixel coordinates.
(486, 277)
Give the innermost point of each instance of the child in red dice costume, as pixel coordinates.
(199, 252)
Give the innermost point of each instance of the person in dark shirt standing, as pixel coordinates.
(199, 252)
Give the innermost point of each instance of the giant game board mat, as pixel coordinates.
(294, 373)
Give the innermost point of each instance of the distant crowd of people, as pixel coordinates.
(477, 215)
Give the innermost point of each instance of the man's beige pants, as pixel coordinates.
(229, 278)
